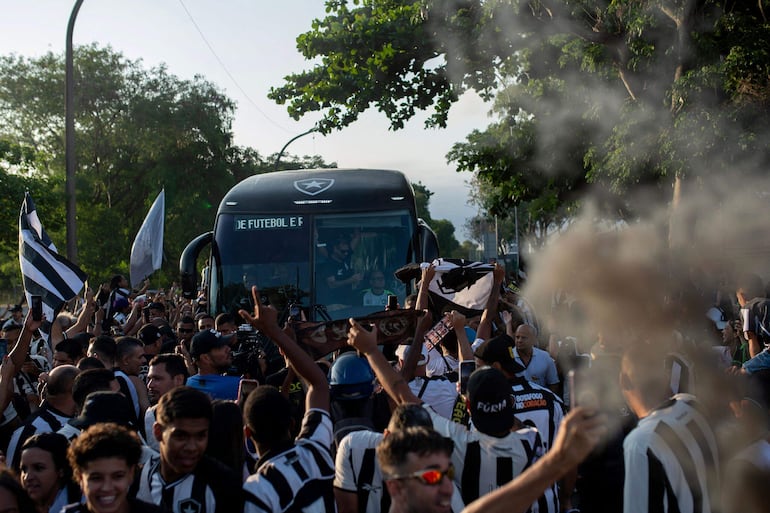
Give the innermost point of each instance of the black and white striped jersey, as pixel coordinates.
(299, 476)
(484, 463)
(45, 420)
(671, 461)
(211, 488)
(538, 407)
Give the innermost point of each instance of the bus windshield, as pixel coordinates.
(339, 265)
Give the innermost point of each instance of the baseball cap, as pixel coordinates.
(402, 351)
(491, 406)
(499, 349)
(16, 308)
(205, 341)
(148, 334)
(104, 406)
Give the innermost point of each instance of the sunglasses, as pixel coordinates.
(430, 477)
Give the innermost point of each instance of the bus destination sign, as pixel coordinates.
(268, 223)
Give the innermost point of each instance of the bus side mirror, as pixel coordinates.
(428, 242)
(188, 272)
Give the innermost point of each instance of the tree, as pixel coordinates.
(590, 95)
(137, 130)
(443, 228)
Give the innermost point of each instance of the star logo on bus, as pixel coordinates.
(313, 186)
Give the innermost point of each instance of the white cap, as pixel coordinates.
(717, 317)
(403, 350)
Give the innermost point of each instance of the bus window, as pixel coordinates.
(272, 252)
(355, 258)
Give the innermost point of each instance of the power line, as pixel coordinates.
(227, 71)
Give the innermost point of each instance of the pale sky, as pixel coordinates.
(255, 42)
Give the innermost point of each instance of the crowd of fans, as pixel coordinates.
(142, 401)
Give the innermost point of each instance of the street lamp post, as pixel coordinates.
(69, 136)
(280, 153)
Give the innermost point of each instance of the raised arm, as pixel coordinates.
(265, 319)
(365, 342)
(490, 311)
(422, 295)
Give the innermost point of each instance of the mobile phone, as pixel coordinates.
(466, 369)
(245, 387)
(582, 392)
(36, 307)
(392, 302)
(146, 313)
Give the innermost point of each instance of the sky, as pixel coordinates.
(245, 47)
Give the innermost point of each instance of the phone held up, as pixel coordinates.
(245, 387)
(36, 307)
(466, 369)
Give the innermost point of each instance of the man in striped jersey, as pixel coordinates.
(182, 479)
(290, 475)
(487, 457)
(671, 459)
(54, 412)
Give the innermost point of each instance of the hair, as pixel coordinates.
(393, 452)
(60, 380)
(54, 444)
(9, 482)
(115, 281)
(267, 413)
(125, 346)
(226, 435)
(409, 415)
(104, 346)
(186, 320)
(183, 403)
(224, 318)
(71, 347)
(174, 364)
(104, 440)
(89, 362)
(91, 380)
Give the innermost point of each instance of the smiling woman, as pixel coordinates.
(104, 460)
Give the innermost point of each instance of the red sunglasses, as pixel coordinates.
(430, 477)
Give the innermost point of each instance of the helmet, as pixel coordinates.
(351, 377)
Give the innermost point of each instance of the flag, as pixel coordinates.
(461, 285)
(44, 272)
(147, 250)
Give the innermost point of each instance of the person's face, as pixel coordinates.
(159, 381)
(226, 328)
(419, 497)
(61, 358)
(185, 330)
(182, 444)
(105, 483)
(220, 358)
(729, 334)
(132, 363)
(377, 282)
(17, 315)
(206, 323)
(525, 339)
(341, 249)
(39, 475)
(8, 502)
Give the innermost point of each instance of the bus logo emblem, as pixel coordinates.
(313, 186)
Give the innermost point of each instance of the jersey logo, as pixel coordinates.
(189, 506)
(313, 186)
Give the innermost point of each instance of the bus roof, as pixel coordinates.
(327, 190)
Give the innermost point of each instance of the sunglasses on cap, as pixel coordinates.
(430, 477)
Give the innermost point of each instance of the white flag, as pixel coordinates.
(147, 250)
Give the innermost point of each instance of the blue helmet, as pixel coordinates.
(351, 377)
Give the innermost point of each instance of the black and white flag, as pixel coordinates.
(463, 285)
(44, 272)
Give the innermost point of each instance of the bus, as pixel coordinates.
(319, 241)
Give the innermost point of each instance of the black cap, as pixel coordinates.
(105, 406)
(206, 340)
(16, 308)
(500, 350)
(149, 334)
(491, 406)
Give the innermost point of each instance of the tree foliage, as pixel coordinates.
(589, 94)
(137, 131)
